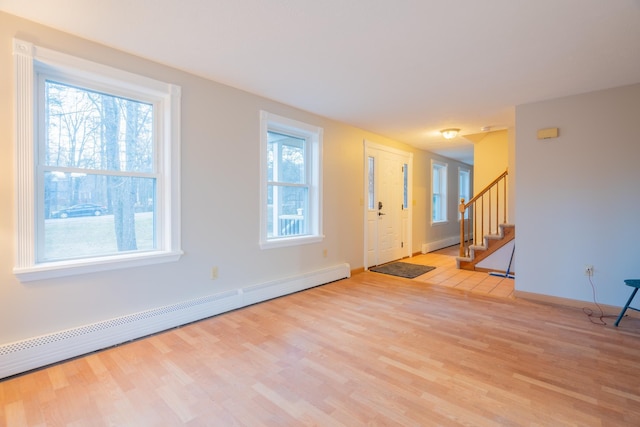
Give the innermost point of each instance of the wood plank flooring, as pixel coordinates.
(371, 350)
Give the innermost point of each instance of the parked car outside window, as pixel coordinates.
(85, 209)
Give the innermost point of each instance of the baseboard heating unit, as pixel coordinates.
(36, 352)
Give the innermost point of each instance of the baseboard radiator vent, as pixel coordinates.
(33, 353)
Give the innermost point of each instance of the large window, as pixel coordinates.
(290, 182)
(438, 192)
(97, 166)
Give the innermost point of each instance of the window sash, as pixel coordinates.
(438, 192)
(47, 80)
(82, 117)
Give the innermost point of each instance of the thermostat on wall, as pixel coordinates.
(548, 133)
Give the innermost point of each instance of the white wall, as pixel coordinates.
(220, 189)
(491, 157)
(578, 196)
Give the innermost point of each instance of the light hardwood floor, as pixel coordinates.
(447, 274)
(371, 350)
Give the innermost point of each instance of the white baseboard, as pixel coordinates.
(279, 287)
(440, 244)
(32, 353)
(573, 303)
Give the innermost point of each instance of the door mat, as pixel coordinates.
(402, 269)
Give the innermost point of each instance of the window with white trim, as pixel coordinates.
(438, 192)
(97, 166)
(291, 182)
(464, 188)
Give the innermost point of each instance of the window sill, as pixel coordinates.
(290, 241)
(50, 270)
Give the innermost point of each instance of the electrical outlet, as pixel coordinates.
(214, 273)
(588, 270)
(324, 253)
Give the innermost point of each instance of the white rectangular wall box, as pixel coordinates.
(548, 133)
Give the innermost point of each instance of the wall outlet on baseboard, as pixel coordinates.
(214, 273)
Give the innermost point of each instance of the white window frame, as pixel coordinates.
(313, 164)
(442, 168)
(29, 61)
(467, 197)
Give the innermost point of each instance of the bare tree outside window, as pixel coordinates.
(97, 166)
(98, 154)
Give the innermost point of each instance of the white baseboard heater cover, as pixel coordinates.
(33, 353)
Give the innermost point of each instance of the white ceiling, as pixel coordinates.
(401, 68)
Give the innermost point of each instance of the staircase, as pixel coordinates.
(484, 227)
(491, 243)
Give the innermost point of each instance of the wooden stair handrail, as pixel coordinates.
(486, 189)
(475, 231)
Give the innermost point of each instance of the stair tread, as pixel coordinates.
(480, 251)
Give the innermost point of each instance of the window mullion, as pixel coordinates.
(288, 184)
(133, 174)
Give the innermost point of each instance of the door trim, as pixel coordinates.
(367, 144)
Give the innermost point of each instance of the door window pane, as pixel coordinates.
(372, 195)
(405, 180)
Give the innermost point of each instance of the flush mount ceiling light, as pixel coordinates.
(449, 133)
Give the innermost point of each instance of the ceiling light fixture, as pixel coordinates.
(449, 133)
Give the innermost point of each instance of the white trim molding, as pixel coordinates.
(30, 61)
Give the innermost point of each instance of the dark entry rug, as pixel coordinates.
(402, 269)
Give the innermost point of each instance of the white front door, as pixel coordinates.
(387, 210)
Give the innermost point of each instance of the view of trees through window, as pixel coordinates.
(97, 162)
